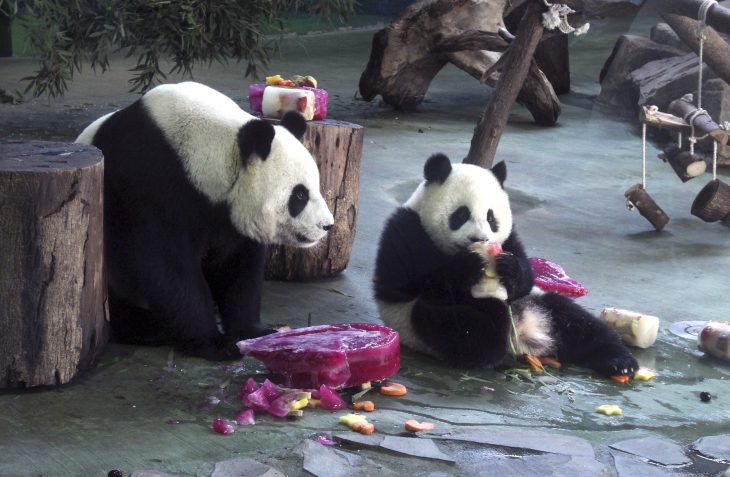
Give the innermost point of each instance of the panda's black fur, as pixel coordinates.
(179, 253)
(423, 281)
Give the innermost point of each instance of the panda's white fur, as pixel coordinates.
(201, 124)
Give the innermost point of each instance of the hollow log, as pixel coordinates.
(638, 197)
(703, 123)
(407, 54)
(715, 51)
(685, 164)
(52, 287)
(713, 202)
(337, 148)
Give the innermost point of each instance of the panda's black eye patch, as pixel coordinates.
(492, 221)
(298, 200)
(459, 217)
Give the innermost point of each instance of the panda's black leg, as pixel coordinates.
(465, 334)
(585, 340)
(236, 281)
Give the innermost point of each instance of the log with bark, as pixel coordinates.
(52, 288)
(638, 197)
(685, 164)
(702, 122)
(718, 16)
(337, 148)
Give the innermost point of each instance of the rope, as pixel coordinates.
(643, 156)
(512, 344)
(557, 17)
(679, 139)
(702, 17)
(714, 160)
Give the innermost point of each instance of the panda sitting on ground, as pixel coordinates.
(194, 189)
(425, 272)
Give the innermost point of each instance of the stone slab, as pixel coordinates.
(655, 449)
(715, 447)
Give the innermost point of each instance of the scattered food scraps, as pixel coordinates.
(550, 361)
(393, 389)
(534, 363)
(644, 374)
(222, 426)
(621, 378)
(357, 423)
(367, 406)
(415, 426)
(609, 410)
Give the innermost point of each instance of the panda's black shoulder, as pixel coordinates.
(514, 245)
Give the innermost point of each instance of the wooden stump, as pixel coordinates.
(337, 148)
(685, 164)
(638, 197)
(52, 287)
(713, 202)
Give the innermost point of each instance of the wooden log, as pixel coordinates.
(685, 164)
(703, 123)
(638, 197)
(715, 51)
(489, 129)
(52, 286)
(718, 16)
(713, 202)
(653, 117)
(337, 148)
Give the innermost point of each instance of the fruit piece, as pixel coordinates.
(415, 426)
(278, 100)
(621, 378)
(534, 363)
(363, 427)
(256, 96)
(287, 83)
(358, 423)
(310, 81)
(338, 356)
(393, 389)
(274, 80)
(222, 426)
(550, 276)
(714, 339)
(330, 400)
(494, 248)
(367, 406)
(609, 410)
(245, 418)
(550, 361)
(644, 374)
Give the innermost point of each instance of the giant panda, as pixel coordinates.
(425, 272)
(194, 190)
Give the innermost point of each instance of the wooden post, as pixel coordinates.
(713, 202)
(491, 124)
(715, 51)
(638, 197)
(6, 37)
(337, 148)
(685, 164)
(52, 287)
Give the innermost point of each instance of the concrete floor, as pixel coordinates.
(134, 411)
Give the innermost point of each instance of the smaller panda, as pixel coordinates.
(426, 268)
(194, 190)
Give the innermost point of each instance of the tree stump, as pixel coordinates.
(337, 148)
(713, 202)
(52, 287)
(685, 164)
(638, 197)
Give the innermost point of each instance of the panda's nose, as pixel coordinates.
(327, 227)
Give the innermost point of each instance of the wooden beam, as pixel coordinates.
(718, 17)
(491, 124)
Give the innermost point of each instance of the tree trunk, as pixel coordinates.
(638, 197)
(715, 51)
(516, 66)
(6, 38)
(52, 287)
(337, 148)
(718, 16)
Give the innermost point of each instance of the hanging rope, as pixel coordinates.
(643, 156)
(702, 17)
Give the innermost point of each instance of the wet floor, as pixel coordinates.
(148, 408)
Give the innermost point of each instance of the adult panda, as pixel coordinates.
(425, 272)
(194, 189)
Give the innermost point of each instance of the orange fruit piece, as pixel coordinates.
(393, 389)
(363, 427)
(621, 378)
(367, 406)
(415, 426)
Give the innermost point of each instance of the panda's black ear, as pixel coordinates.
(255, 136)
(295, 123)
(500, 172)
(437, 168)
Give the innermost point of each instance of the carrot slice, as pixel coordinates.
(393, 389)
(367, 406)
(534, 363)
(550, 361)
(621, 378)
(415, 426)
(363, 427)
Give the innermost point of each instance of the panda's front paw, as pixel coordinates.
(622, 365)
(221, 350)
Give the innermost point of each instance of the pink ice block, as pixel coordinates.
(256, 95)
(339, 356)
(551, 277)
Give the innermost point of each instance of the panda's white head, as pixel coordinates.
(275, 196)
(462, 203)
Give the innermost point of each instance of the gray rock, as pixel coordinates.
(715, 447)
(664, 35)
(630, 466)
(540, 465)
(629, 53)
(662, 81)
(247, 467)
(324, 461)
(518, 439)
(412, 446)
(151, 473)
(658, 450)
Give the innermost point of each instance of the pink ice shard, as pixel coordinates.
(339, 356)
(551, 277)
(256, 97)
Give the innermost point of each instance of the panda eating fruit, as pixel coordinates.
(426, 269)
(194, 189)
